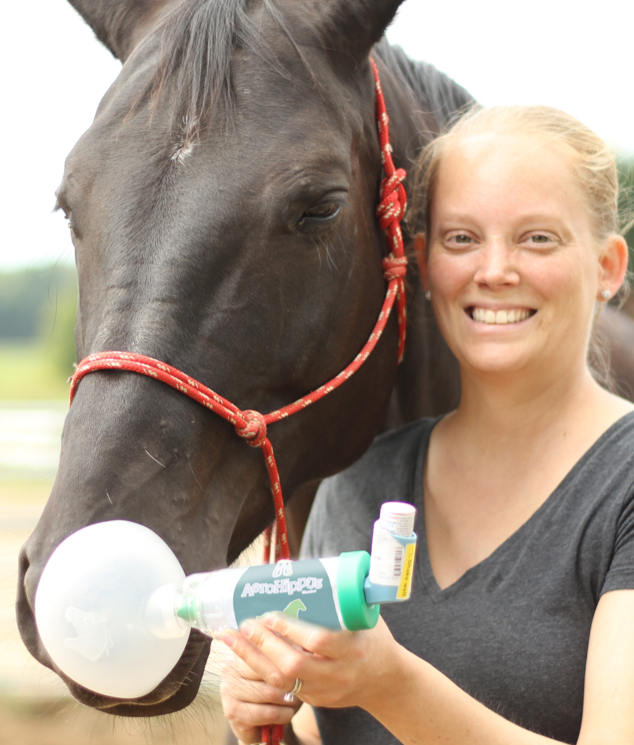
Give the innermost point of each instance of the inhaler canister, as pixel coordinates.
(393, 552)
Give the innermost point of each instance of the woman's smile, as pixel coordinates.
(498, 317)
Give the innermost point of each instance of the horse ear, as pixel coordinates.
(121, 24)
(352, 27)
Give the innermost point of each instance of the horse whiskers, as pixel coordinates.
(154, 459)
(182, 725)
(194, 475)
(316, 244)
(330, 261)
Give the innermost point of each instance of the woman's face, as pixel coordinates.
(512, 264)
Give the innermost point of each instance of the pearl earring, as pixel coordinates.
(605, 295)
(428, 295)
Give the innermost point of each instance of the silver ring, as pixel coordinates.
(290, 696)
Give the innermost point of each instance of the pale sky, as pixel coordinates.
(578, 56)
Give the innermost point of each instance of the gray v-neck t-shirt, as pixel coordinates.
(513, 630)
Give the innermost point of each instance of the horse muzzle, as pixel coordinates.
(175, 692)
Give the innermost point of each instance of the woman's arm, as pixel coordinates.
(416, 702)
(608, 709)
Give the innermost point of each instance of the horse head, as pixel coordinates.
(222, 208)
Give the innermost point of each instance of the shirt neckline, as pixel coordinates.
(423, 563)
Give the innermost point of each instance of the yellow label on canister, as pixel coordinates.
(405, 587)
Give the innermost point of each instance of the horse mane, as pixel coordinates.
(439, 98)
(197, 40)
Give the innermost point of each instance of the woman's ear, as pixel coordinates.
(420, 247)
(612, 264)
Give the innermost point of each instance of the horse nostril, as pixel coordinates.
(28, 579)
(23, 569)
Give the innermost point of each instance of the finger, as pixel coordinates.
(314, 639)
(237, 668)
(291, 660)
(247, 719)
(253, 691)
(263, 662)
(256, 712)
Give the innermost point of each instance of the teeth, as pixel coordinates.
(483, 315)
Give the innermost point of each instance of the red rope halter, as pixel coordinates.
(251, 425)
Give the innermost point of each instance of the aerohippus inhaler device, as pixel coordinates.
(114, 607)
(342, 592)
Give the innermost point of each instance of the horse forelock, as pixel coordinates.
(197, 42)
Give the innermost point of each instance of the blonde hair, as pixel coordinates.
(592, 161)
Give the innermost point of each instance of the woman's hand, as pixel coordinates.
(249, 703)
(337, 668)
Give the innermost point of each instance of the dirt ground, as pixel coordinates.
(35, 708)
(63, 721)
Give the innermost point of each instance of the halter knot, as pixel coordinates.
(393, 202)
(254, 429)
(394, 267)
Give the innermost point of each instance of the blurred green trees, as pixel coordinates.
(29, 296)
(57, 324)
(626, 202)
(37, 322)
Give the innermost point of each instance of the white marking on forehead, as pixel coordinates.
(186, 144)
(182, 151)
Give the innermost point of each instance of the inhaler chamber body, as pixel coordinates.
(94, 614)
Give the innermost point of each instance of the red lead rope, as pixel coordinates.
(251, 425)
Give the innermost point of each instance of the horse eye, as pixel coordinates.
(323, 210)
(69, 222)
(320, 215)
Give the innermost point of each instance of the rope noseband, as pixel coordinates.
(252, 425)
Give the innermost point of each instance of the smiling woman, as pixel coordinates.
(518, 630)
(521, 203)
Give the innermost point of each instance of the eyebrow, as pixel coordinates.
(536, 217)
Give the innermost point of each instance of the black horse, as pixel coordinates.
(222, 207)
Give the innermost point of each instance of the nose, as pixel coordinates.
(27, 585)
(497, 266)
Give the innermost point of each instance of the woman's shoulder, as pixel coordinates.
(617, 439)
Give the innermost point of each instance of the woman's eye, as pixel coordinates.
(539, 239)
(460, 239)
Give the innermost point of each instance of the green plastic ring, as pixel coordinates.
(353, 567)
